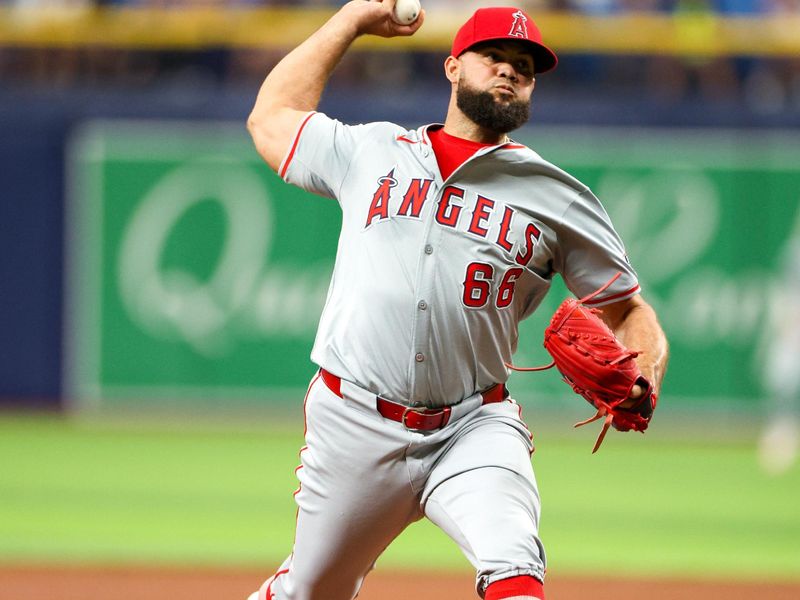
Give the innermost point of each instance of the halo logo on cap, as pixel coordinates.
(504, 23)
(519, 27)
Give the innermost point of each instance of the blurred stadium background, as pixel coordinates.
(160, 288)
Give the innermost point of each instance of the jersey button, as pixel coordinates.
(428, 249)
(419, 357)
(422, 305)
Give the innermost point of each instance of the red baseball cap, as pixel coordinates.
(504, 23)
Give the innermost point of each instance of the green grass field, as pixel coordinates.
(148, 492)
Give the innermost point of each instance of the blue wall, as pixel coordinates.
(35, 125)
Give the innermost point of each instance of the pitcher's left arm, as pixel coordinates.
(636, 325)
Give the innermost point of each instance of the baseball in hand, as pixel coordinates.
(405, 11)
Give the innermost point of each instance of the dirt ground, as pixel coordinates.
(72, 583)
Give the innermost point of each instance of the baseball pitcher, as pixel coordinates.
(451, 235)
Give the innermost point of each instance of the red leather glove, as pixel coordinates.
(597, 366)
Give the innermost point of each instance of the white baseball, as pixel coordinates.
(406, 11)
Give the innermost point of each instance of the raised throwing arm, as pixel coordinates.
(295, 85)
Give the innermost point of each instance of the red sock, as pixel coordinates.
(522, 585)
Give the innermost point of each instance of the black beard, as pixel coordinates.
(482, 109)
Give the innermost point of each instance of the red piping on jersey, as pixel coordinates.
(290, 156)
(268, 593)
(426, 139)
(402, 138)
(297, 470)
(633, 290)
(305, 431)
(530, 435)
(305, 401)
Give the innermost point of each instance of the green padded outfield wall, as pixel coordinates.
(196, 276)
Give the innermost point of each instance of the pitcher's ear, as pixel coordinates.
(452, 69)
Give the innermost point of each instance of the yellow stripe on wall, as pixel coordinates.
(273, 28)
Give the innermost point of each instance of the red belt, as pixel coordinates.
(418, 419)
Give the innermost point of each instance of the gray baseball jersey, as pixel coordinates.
(433, 276)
